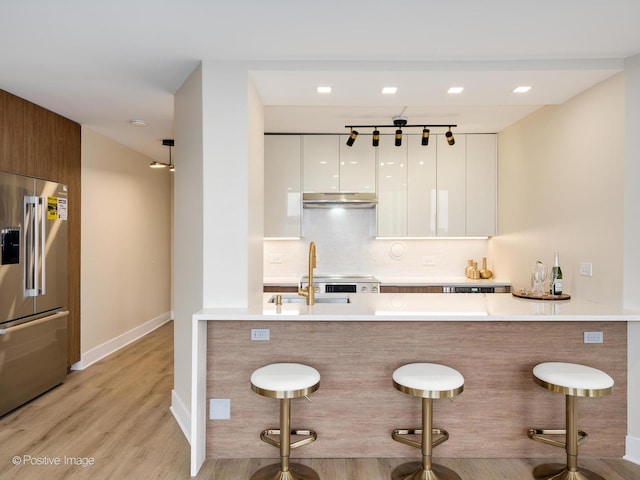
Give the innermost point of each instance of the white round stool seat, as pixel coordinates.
(285, 380)
(573, 379)
(428, 380)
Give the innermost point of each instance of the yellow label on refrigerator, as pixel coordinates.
(52, 208)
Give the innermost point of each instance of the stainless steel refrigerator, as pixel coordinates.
(33, 288)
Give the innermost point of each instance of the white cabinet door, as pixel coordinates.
(451, 187)
(282, 203)
(321, 154)
(481, 184)
(357, 165)
(392, 188)
(422, 187)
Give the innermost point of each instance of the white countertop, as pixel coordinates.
(425, 307)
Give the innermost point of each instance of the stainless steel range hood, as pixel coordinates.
(346, 200)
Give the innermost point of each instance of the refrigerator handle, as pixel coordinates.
(41, 239)
(30, 256)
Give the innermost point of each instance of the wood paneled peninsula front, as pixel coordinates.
(494, 340)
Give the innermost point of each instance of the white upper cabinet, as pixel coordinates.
(482, 185)
(321, 158)
(392, 188)
(282, 202)
(422, 187)
(357, 165)
(438, 190)
(451, 184)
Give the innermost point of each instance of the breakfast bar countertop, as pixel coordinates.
(423, 307)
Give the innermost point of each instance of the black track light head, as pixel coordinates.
(352, 138)
(398, 137)
(425, 136)
(375, 138)
(450, 139)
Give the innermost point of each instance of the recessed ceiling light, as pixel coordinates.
(138, 123)
(389, 90)
(323, 90)
(455, 90)
(522, 89)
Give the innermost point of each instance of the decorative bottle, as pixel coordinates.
(555, 280)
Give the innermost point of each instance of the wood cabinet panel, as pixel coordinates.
(279, 289)
(410, 289)
(40, 143)
(357, 359)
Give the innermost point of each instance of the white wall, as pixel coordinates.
(631, 250)
(218, 216)
(188, 237)
(584, 155)
(126, 246)
(561, 177)
(346, 244)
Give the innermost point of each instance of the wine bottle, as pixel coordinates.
(555, 284)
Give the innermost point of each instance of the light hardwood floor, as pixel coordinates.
(116, 415)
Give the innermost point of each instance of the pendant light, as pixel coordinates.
(167, 142)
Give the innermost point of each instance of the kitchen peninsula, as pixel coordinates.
(494, 340)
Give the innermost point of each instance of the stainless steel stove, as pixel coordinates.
(343, 283)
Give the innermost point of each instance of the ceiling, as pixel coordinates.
(104, 63)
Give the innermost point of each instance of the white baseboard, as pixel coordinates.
(632, 450)
(181, 414)
(115, 344)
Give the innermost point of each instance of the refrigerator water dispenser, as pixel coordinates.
(10, 245)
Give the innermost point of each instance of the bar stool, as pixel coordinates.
(285, 381)
(429, 381)
(573, 380)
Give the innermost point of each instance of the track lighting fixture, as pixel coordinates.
(399, 123)
(398, 137)
(425, 136)
(375, 140)
(352, 138)
(450, 139)
(167, 142)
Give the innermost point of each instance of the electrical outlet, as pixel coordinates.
(219, 408)
(593, 337)
(586, 269)
(429, 260)
(260, 334)
(276, 258)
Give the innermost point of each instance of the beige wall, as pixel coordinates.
(126, 244)
(560, 176)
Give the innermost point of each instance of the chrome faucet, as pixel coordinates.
(309, 291)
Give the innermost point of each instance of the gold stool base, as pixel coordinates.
(558, 471)
(414, 471)
(295, 472)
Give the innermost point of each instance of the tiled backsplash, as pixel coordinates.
(346, 244)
